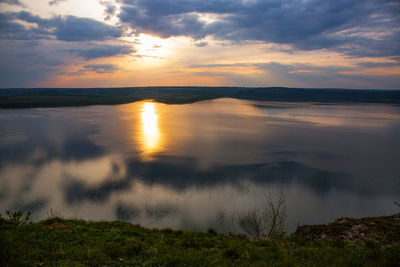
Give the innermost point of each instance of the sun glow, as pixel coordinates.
(149, 47)
(150, 130)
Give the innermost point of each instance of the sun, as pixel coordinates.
(150, 47)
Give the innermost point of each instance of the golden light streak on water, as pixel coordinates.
(150, 130)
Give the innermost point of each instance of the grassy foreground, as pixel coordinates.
(59, 242)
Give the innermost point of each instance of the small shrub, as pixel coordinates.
(17, 218)
(211, 231)
(267, 220)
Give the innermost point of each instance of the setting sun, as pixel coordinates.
(149, 47)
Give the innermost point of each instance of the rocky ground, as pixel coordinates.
(385, 229)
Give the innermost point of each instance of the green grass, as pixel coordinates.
(59, 242)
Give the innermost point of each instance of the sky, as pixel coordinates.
(113, 43)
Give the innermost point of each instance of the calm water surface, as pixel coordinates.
(191, 166)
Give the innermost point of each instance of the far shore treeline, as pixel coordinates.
(58, 97)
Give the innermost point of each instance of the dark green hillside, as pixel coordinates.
(21, 98)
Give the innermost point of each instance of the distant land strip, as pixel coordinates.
(63, 97)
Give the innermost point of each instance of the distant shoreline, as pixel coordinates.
(64, 97)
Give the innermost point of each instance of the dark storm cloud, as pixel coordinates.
(55, 2)
(68, 28)
(84, 29)
(201, 44)
(110, 9)
(16, 31)
(28, 59)
(185, 24)
(29, 17)
(12, 2)
(354, 27)
(101, 68)
(103, 51)
(350, 26)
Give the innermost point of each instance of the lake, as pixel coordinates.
(192, 166)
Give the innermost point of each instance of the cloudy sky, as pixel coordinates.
(296, 43)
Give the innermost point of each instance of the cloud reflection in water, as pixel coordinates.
(133, 162)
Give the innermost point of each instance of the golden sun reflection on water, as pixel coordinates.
(143, 122)
(150, 128)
